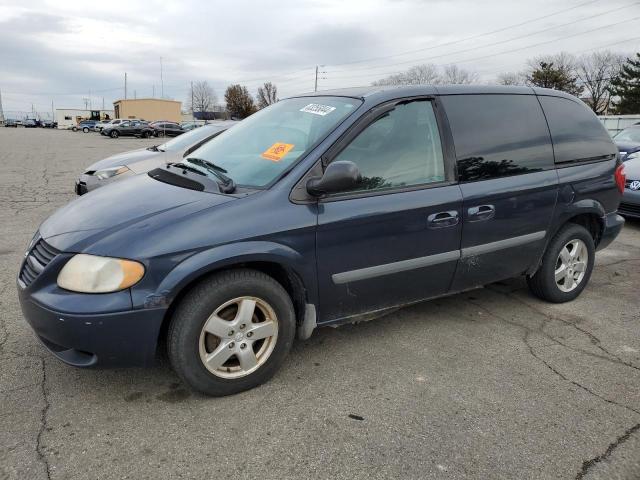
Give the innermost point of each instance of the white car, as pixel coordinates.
(100, 125)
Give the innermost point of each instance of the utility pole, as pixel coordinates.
(90, 104)
(53, 116)
(1, 110)
(161, 80)
(135, 94)
(315, 89)
(154, 92)
(125, 85)
(102, 103)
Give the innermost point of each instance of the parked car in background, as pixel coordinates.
(10, 122)
(100, 125)
(630, 203)
(49, 124)
(628, 142)
(167, 129)
(142, 160)
(85, 125)
(30, 123)
(129, 128)
(186, 126)
(317, 210)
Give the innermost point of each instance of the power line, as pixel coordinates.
(501, 42)
(468, 38)
(503, 52)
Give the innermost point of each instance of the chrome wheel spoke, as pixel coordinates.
(217, 326)
(221, 354)
(580, 266)
(245, 310)
(263, 330)
(247, 358)
(561, 272)
(565, 255)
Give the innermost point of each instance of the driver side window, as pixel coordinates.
(401, 148)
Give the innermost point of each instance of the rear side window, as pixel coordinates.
(498, 135)
(576, 132)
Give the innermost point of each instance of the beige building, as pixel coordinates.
(149, 109)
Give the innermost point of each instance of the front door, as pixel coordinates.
(395, 238)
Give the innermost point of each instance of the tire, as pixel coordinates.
(75, 129)
(189, 344)
(146, 134)
(114, 134)
(579, 248)
(85, 130)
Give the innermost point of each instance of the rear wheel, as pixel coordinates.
(231, 332)
(146, 134)
(114, 134)
(85, 130)
(566, 265)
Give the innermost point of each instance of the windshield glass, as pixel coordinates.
(187, 139)
(257, 150)
(629, 135)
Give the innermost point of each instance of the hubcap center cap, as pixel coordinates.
(239, 336)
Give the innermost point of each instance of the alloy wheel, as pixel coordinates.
(571, 265)
(238, 337)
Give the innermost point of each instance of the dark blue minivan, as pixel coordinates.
(315, 211)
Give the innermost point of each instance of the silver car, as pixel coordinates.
(142, 160)
(630, 203)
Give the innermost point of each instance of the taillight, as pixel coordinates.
(620, 177)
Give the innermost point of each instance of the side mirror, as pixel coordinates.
(339, 176)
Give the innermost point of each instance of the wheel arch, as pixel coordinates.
(284, 265)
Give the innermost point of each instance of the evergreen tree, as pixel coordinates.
(558, 78)
(627, 86)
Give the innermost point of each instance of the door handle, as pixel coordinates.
(443, 219)
(481, 212)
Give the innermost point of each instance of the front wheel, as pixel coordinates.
(231, 332)
(566, 265)
(114, 134)
(85, 130)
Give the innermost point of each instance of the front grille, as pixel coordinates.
(629, 209)
(36, 261)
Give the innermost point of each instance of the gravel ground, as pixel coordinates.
(488, 384)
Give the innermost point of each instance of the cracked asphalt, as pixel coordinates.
(492, 383)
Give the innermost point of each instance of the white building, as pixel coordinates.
(68, 117)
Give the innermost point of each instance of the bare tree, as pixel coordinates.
(456, 75)
(595, 71)
(511, 78)
(428, 74)
(202, 97)
(267, 95)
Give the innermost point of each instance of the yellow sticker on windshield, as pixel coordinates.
(277, 151)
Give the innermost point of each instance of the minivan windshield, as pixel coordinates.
(189, 138)
(261, 147)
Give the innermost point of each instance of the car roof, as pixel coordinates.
(397, 91)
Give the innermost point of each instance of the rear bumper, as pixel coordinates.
(613, 224)
(116, 339)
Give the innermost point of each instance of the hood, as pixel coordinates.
(632, 169)
(127, 209)
(126, 158)
(627, 146)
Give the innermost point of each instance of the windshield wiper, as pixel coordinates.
(227, 185)
(153, 148)
(184, 166)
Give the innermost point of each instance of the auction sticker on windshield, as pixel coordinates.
(277, 151)
(318, 109)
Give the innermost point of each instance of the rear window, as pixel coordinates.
(576, 132)
(498, 135)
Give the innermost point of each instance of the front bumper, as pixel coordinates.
(613, 224)
(116, 339)
(630, 203)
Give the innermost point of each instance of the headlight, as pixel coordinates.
(110, 172)
(631, 156)
(93, 274)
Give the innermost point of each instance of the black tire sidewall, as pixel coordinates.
(200, 303)
(547, 269)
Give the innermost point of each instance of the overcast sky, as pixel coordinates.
(62, 50)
